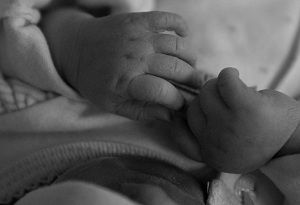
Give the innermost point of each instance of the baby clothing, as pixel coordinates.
(53, 129)
(24, 53)
(71, 129)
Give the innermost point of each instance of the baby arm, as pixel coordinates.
(240, 129)
(123, 63)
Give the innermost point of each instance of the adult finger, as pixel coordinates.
(172, 68)
(152, 89)
(158, 21)
(175, 46)
(137, 110)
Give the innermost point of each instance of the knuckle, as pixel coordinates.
(129, 18)
(130, 21)
(175, 18)
(166, 18)
(177, 68)
(155, 15)
(125, 25)
(180, 45)
(162, 93)
(159, 18)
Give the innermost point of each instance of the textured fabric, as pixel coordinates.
(147, 181)
(28, 72)
(81, 193)
(43, 167)
(25, 57)
(16, 95)
(42, 155)
(24, 54)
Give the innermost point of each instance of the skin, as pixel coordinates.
(123, 63)
(240, 129)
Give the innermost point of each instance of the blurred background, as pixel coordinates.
(260, 38)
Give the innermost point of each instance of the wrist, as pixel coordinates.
(292, 146)
(62, 30)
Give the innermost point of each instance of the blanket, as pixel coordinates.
(35, 99)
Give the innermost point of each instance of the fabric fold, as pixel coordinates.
(24, 52)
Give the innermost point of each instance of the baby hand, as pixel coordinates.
(238, 128)
(124, 63)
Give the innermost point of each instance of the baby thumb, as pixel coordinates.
(232, 89)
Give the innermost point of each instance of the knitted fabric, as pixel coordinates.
(25, 58)
(16, 95)
(43, 167)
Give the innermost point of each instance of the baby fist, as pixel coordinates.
(238, 128)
